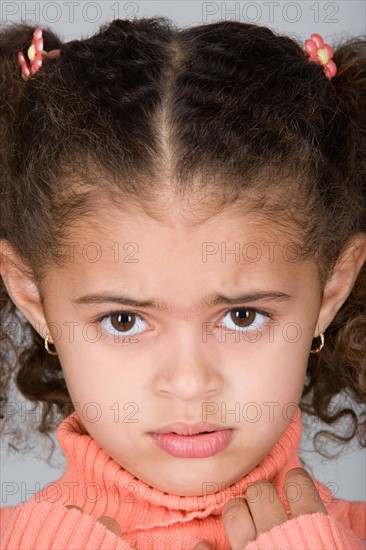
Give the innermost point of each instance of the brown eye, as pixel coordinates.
(243, 317)
(123, 321)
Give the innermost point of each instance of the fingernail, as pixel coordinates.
(200, 544)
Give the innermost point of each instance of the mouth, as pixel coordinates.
(198, 445)
(182, 428)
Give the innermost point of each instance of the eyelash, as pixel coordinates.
(106, 315)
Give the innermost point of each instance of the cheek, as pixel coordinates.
(277, 369)
(90, 391)
(104, 395)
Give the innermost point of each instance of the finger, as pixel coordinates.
(107, 521)
(202, 545)
(71, 506)
(265, 506)
(301, 493)
(238, 523)
(111, 524)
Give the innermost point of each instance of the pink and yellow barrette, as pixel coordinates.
(321, 53)
(35, 54)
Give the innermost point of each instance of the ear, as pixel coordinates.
(341, 282)
(20, 286)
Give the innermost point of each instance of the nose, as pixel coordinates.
(189, 371)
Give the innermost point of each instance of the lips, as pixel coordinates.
(199, 445)
(181, 428)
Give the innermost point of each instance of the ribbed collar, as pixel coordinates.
(100, 486)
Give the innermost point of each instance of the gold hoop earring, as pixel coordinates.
(321, 336)
(47, 348)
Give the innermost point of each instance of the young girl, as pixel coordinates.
(183, 235)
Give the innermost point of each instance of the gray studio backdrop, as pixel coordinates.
(22, 475)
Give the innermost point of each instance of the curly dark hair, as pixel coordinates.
(235, 103)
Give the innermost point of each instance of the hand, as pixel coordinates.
(246, 518)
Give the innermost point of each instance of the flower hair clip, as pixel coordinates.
(35, 54)
(321, 53)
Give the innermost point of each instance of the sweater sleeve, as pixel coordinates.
(307, 532)
(36, 525)
(351, 513)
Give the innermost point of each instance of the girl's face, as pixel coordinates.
(183, 352)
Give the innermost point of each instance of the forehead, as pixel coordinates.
(254, 234)
(170, 220)
(229, 247)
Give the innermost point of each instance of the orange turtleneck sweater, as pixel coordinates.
(153, 520)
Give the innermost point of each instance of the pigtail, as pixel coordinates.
(341, 365)
(13, 39)
(350, 83)
(21, 346)
(350, 80)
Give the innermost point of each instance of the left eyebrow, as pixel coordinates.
(206, 302)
